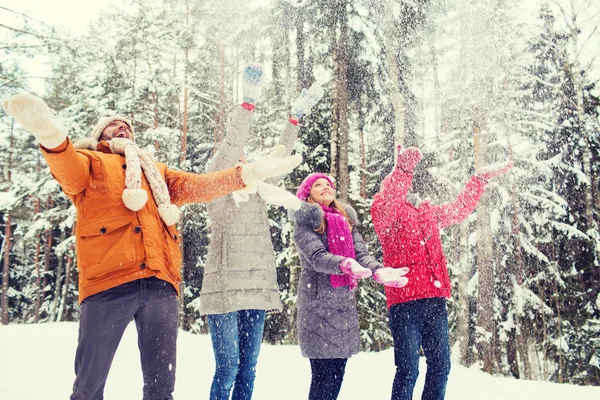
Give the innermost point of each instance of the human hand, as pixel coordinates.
(269, 166)
(407, 159)
(33, 114)
(393, 277)
(307, 100)
(350, 267)
(252, 83)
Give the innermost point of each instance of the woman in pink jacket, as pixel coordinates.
(410, 238)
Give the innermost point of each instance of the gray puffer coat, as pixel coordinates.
(327, 316)
(240, 271)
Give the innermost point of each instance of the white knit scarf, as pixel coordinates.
(134, 196)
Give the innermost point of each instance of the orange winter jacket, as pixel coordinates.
(115, 245)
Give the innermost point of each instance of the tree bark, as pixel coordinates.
(340, 131)
(7, 236)
(38, 279)
(396, 96)
(485, 299)
(58, 279)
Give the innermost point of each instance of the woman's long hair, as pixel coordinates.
(335, 204)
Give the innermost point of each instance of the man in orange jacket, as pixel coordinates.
(127, 247)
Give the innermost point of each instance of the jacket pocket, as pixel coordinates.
(97, 178)
(105, 247)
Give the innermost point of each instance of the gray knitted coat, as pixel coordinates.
(327, 316)
(240, 271)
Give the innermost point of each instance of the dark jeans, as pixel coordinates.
(415, 324)
(236, 339)
(104, 317)
(327, 376)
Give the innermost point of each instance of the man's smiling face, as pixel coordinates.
(116, 129)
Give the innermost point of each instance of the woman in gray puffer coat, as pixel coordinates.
(240, 282)
(333, 257)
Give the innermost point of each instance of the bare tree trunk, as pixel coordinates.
(340, 127)
(38, 279)
(363, 155)
(7, 236)
(485, 299)
(389, 33)
(218, 133)
(464, 328)
(586, 155)
(47, 251)
(65, 294)
(6, 267)
(58, 284)
(335, 101)
(300, 54)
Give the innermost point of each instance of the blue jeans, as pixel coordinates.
(327, 376)
(152, 303)
(236, 339)
(415, 324)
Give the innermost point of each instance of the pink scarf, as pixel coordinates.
(339, 240)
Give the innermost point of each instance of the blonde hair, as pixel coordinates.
(335, 204)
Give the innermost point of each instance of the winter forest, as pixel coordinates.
(471, 83)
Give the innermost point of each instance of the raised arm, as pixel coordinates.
(70, 168)
(300, 107)
(231, 149)
(456, 211)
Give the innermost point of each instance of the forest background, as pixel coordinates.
(471, 83)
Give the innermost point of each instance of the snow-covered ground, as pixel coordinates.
(36, 362)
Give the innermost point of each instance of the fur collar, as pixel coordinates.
(311, 214)
(86, 143)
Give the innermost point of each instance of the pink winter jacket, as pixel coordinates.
(410, 236)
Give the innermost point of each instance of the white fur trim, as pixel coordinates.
(134, 199)
(169, 213)
(86, 143)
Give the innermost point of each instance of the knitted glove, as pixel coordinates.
(272, 165)
(350, 267)
(393, 277)
(492, 171)
(306, 101)
(252, 83)
(407, 159)
(34, 115)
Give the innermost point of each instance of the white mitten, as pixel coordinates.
(307, 100)
(34, 115)
(252, 83)
(350, 267)
(275, 195)
(393, 277)
(269, 166)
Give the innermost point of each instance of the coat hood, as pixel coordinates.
(311, 214)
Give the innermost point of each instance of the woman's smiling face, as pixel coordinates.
(322, 192)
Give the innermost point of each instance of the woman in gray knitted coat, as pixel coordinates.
(333, 257)
(240, 281)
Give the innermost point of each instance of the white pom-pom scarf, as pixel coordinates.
(134, 196)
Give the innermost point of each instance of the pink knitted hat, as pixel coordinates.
(304, 189)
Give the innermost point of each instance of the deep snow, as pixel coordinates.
(36, 362)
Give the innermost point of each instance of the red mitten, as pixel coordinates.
(354, 269)
(393, 277)
(407, 159)
(492, 171)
